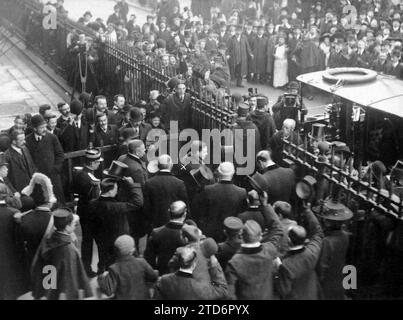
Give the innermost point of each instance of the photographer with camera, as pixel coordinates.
(289, 106)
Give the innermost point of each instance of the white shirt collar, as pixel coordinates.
(38, 136)
(186, 271)
(251, 245)
(16, 149)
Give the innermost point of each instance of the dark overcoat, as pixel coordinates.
(217, 202)
(21, 167)
(159, 193)
(239, 53)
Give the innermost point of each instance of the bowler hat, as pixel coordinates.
(37, 120)
(335, 211)
(116, 170)
(305, 188)
(76, 107)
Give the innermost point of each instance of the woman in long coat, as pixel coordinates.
(280, 68)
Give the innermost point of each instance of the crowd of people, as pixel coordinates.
(267, 42)
(210, 234)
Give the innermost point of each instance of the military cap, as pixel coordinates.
(243, 110)
(233, 224)
(261, 101)
(62, 213)
(93, 154)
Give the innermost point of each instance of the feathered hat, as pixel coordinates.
(46, 185)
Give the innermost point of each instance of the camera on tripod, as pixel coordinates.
(290, 99)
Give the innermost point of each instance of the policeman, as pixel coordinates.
(288, 105)
(87, 186)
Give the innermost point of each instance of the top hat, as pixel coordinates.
(202, 175)
(257, 182)
(317, 131)
(305, 188)
(335, 211)
(116, 170)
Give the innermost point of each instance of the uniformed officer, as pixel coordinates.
(87, 186)
(226, 249)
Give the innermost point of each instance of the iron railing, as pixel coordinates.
(349, 180)
(117, 69)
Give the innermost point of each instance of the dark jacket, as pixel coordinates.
(243, 138)
(162, 244)
(182, 286)
(110, 219)
(137, 168)
(108, 138)
(331, 263)
(259, 49)
(13, 279)
(250, 271)
(127, 279)
(73, 138)
(87, 187)
(61, 253)
(280, 183)
(265, 123)
(143, 130)
(159, 193)
(48, 158)
(33, 226)
(217, 202)
(239, 53)
(226, 250)
(297, 278)
(173, 109)
(20, 167)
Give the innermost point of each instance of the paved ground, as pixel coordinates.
(22, 87)
(103, 8)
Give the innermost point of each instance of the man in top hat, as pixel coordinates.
(259, 46)
(182, 285)
(232, 230)
(190, 170)
(279, 181)
(160, 191)
(110, 217)
(163, 241)
(177, 107)
(47, 154)
(296, 274)
(87, 186)
(263, 120)
(239, 52)
(250, 271)
(219, 201)
(60, 252)
(333, 254)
